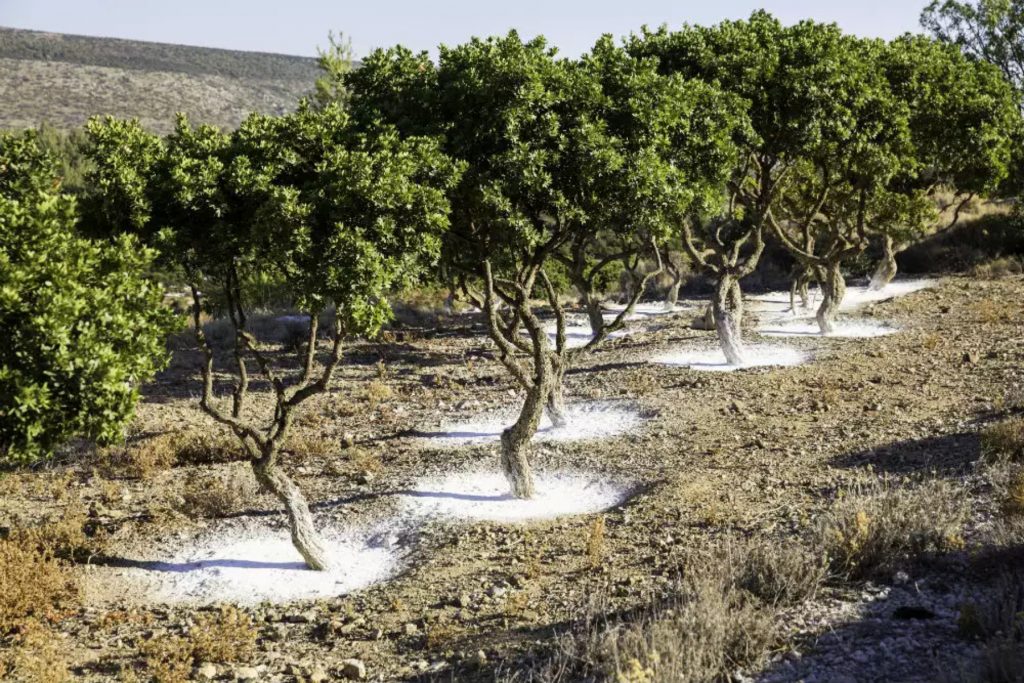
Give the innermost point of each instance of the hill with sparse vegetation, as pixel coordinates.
(63, 79)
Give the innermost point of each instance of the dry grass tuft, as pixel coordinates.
(992, 312)
(168, 658)
(377, 392)
(211, 495)
(881, 528)
(778, 574)
(998, 268)
(35, 584)
(226, 635)
(37, 655)
(307, 445)
(1004, 441)
(718, 619)
(595, 543)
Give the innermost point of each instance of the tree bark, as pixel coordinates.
(727, 306)
(595, 314)
(673, 293)
(556, 402)
(305, 537)
(886, 269)
(800, 287)
(833, 290)
(515, 441)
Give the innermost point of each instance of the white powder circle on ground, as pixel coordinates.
(713, 360)
(777, 303)
(585, 421)
(859, 296)
(843, 328)
(484, 495)
(645, 310)
(576, 334)
(259, 564)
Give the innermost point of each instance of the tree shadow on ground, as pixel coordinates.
(945, 455)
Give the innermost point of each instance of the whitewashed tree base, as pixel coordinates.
(854, 329)
(484, 495)
(713, 360)
(584, 421)
(250, 565)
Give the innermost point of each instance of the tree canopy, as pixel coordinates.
(84, 326)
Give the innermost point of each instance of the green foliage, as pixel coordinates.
(594, 156)
(986, 30)
(83, 325)
(335, 63)
(68, 149)
(338, 216)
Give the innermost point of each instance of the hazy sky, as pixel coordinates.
(299, 26)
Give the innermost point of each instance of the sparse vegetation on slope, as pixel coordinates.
(64, 79)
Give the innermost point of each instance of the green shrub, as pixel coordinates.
(83, 326)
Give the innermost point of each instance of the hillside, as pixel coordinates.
(63, 79)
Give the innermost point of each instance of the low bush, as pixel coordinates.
(168, 658)
(779, 573)
(35, 585)
(883, 527)
(36, 655)
(210, 495)
(720, 617)
(997, 268)
(225, 635)
(1004, 441)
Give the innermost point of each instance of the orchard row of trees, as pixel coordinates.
(504, 171)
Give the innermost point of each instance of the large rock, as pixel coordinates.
(353, 669)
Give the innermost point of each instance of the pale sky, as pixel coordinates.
(299, 26)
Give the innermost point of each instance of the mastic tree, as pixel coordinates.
(791, 79)
(83, 324)
(340, 216)
(675, 139)
(568, 163)
(840, 194)
(963, 121)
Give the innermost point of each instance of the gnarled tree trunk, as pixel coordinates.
(595, 314)
(515, 441)
(727, 306)
(673, 293)
(556, 401)
(886, 269)
(800, 287)
(305, 537)
(833, 290)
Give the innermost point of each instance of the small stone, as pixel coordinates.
(411, 629)
(207, 671)
(246, 673)
(353, 669)
(348, 440)
(318, 675)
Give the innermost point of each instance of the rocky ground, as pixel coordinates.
(756, 453)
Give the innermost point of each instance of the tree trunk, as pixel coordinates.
(800, 288)
(833, 290)
(727, 306)
(594, 314)
(556, 401)
(305, 537)
(515, 442)
(886, 270)
(673, 293)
